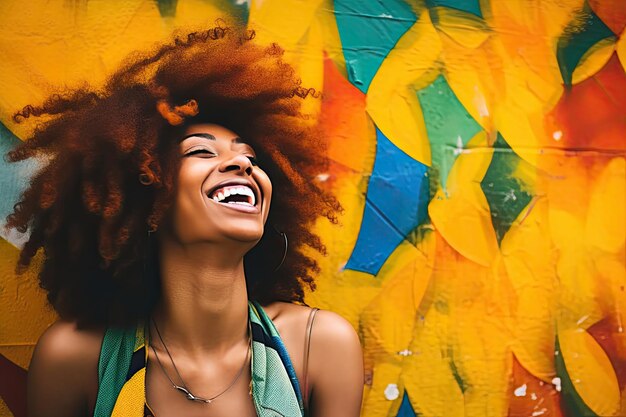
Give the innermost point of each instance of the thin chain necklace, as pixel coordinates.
(183, 388)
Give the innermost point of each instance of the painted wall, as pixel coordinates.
(479, 151)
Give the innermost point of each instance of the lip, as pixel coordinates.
(237, 207)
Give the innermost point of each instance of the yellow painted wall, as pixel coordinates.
(479, 151)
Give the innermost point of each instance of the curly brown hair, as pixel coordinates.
(112, 159)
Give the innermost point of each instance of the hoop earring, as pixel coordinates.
(145, 179)
(286, 243)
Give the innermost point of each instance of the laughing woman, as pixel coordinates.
(174, 213)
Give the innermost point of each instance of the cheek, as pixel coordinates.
(266, 186)
(189, 198)
(184, 199)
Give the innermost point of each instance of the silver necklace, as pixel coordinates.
(183, 388)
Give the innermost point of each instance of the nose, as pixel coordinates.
(237, 162)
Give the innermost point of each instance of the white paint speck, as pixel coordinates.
(459, 146)
(557, 383)
(510, 195)
(392, 392)
(520, 391)
(323, 177)
(557, 135)
(533, 396)
(539, 412)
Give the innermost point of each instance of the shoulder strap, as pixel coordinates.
(307, 347)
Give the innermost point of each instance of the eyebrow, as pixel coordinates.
(211, 137)
(199, 135)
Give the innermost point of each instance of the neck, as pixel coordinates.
(204, 302)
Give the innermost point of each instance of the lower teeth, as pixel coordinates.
(240, 203)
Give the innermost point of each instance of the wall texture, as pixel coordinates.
(479, 151)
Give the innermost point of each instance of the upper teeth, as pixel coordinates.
(224, 192)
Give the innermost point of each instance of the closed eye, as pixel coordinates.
(200, 151)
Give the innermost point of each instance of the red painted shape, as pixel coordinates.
(13, 386)
(612, 80)
(611, 12)
(592, 114)
(613, 342)
(538, 397)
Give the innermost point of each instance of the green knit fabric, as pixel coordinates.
(275, 387)
(117, 349)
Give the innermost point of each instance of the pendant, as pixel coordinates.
(192, 397)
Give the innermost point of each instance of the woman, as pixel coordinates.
(153, 213)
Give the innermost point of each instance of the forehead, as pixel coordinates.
(209, 129)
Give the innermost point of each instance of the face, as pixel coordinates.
(222, 194)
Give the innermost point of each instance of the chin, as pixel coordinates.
(251, 236)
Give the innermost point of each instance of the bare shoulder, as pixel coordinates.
(64, 345)
(336, 367)
(329, 328)
(64, 341)
(63, 373)
(335, 346)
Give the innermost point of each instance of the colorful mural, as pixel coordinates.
(479, 151)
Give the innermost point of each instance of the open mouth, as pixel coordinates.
(238, 194)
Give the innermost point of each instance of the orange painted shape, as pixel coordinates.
(344, 121)
(530, 395)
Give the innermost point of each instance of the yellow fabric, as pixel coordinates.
(130, 402)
